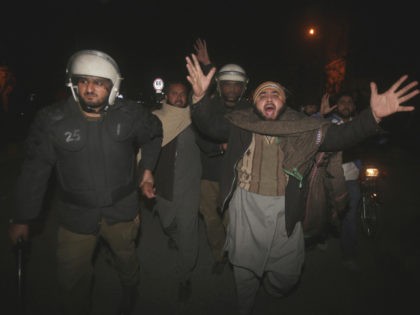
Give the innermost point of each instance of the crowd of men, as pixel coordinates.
(241, 163)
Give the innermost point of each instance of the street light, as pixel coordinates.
(328, 53)
(312, 59)
(312, 32)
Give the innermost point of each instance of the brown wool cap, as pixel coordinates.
(269, 85)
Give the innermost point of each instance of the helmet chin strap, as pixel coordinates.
(219, 91)
(89, 109)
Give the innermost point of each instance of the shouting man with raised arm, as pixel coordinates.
(269, 153)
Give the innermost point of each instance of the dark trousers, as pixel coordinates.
(215, 222)
(349, 227)
(75, 268)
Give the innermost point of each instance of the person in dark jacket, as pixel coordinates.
(177, 182)
(343, 111)
(231, 84)
(90, 140)
(269, 154)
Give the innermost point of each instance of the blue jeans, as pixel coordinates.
(350, 222)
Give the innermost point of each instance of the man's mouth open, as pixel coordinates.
(269, 110)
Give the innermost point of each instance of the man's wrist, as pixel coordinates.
(377, 119)
(196, 99)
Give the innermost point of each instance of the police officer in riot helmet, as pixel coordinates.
(98, 68)
(231, 83)
(91, 141)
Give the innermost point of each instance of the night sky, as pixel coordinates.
(152, 39)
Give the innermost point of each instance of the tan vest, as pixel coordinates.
(260, 170)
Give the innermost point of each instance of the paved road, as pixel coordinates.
(387, 284)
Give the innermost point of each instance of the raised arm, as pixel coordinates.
(389, 102)
(198, 80)
(325, 107)
(201, 51)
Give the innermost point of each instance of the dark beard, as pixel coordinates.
(345, 115)
(174, 105)
(93, 109)
(262, 117)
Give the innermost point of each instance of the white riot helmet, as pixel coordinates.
(93, 63)
(231, 72)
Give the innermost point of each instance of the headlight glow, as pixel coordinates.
(371, 172)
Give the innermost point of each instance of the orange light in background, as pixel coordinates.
(335, 71)
(311, 31)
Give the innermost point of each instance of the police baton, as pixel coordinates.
(21, 251)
